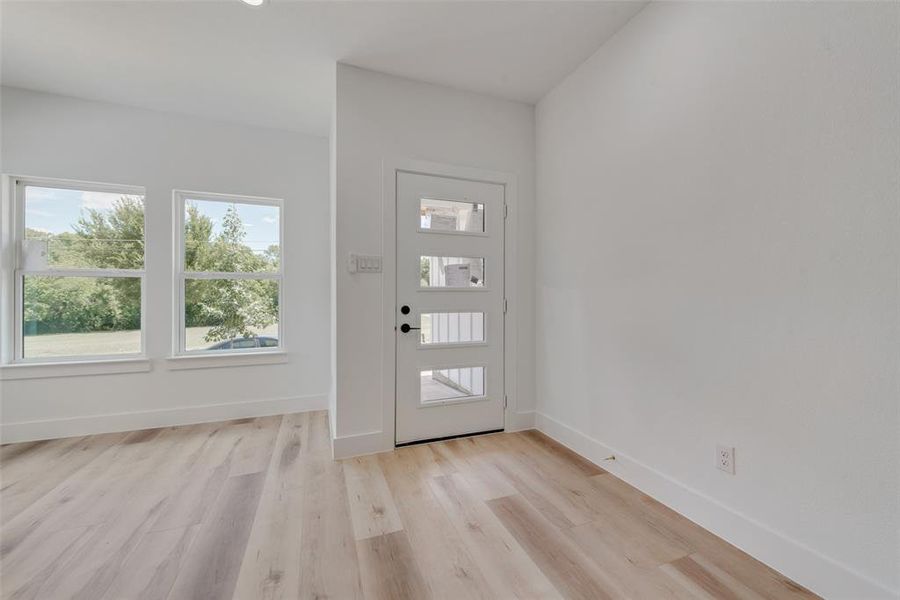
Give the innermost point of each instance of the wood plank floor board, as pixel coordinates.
(144, 490)
(23, 575)
(92, 494)
(257, 442)
(573, 574)
(563, 476)
(20, 460)
(329, 565)
(614, 556)
(87, 569)
(670, 525)
(701, 570)
(506, 566)
(388, 568)
(446, 564)
(705, 580)
(213, 561)
(549, 500)
(257, 509)
(430, 462)
(372, 506)
(270, 567)
(286, 470)
(565, 458)
(151, 569)
(635, 540)
(21, 490)
(476, 467)
(204, 469)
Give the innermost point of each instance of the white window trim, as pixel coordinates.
(227, 358)
(74, 368)
(195, 359)
(12, 362)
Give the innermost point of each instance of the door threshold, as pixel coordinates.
(447, 437)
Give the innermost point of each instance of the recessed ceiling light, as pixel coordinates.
(254, 2)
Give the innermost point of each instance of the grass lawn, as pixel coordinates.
(107, 342)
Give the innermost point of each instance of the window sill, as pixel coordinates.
(40, 370)
(236, 359)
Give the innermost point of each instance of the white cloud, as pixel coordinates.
(100, 200)
(37, 194)
(269, 220)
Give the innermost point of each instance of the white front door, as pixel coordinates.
(449, 307)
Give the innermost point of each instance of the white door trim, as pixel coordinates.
(390, 168)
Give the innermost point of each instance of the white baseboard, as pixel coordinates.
(167, 417)
(519, 421)
(357, 445)
(821, 574)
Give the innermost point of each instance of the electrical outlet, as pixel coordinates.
(725, 458)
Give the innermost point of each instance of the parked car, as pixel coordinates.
(256, 341)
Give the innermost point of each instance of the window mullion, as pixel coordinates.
(109, 273)
(265, 275)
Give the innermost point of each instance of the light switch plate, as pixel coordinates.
(364, 263)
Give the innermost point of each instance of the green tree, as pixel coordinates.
(425, 270)
(114, 238)
(198, 229)
(77, 304)
(232, 308)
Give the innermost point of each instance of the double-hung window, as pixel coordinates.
(229, 273)
(79, 271)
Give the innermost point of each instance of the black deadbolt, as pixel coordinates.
(404, 309)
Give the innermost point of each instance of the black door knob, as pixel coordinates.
(405, 328)
(404, 309)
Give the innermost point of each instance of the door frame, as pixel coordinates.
(391, 167)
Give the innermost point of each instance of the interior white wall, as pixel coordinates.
(382, 117)
(54, 136)
(717, 262)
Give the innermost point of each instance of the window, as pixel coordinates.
(229, 275)
(79, 274)
(451, 328)
(449, 385)
(451, 216)
(451, 272)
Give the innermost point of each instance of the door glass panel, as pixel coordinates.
(451, 384)
(452, 327)
(451, 272)
(451, 215)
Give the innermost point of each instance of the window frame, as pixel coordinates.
(430, 231)
(179, 197)
(16, 348)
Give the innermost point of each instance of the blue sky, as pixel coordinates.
(57, 210)
(261, 222)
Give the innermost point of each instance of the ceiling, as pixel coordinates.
(273, 66)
